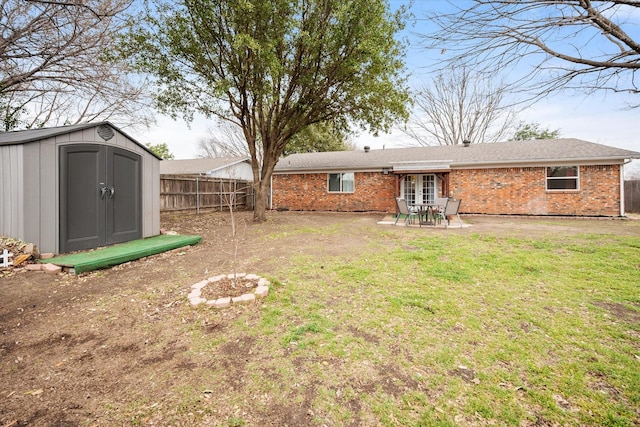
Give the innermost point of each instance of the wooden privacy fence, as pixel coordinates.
(632, 196)
(197, 193)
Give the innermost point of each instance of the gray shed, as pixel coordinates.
(77, 187)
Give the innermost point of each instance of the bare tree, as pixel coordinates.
(460, 105)
(588, 45)
(225, 140)
(632, 170)
(238, 223)
(57, 64)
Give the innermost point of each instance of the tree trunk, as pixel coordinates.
(261, 190)
(262, 177)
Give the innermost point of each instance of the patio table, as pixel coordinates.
(427, 210)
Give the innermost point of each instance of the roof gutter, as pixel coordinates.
(540, 162)
(328, 170)
(445, 165)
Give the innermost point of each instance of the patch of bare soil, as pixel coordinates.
(115, 347)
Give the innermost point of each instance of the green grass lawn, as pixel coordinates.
(452, 329)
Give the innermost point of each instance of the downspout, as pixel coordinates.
(622, 186)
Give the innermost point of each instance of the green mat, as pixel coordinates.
(121, 253)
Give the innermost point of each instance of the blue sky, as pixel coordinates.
(599, 117)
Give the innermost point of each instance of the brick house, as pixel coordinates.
(540, 177)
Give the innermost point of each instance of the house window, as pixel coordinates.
(562, 178)
(341, 182)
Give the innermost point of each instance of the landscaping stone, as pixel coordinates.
(33, 267)
(243, 299)
(262, 291)
(220, 302)
(200, 285)
(51, 268)
(196, 300)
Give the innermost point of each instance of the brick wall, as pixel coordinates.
(373, 191)
(515, 191)
(521, 191)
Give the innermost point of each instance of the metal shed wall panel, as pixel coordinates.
(33, 193)
(49, 207)
(11, 190)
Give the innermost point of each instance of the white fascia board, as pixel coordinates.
(427, 165)
(227, 165)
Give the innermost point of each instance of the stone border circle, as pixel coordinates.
(261, 291)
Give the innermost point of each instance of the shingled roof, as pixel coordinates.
(19, 137)
(31, 135)
(198, 166)
(502, 154)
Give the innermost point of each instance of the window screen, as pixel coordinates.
(341, 182)
(562, 178)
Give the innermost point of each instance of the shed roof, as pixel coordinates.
(198, 166)
(18, 137)
(567, 150)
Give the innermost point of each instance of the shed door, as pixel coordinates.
(100, 196)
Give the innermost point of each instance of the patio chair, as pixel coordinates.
(439, 203)
(409, 212)
(451, 209)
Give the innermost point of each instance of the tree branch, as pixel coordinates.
(561, 44)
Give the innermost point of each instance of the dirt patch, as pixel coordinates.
(621, 312)
(115, 347)
(466, 374)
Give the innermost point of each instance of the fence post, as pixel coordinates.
(235, 194)
(220, 188)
